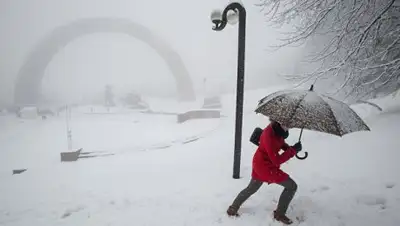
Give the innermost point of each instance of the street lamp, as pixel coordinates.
(233, 13)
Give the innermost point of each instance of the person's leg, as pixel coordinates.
(290, 188)
(252, 188)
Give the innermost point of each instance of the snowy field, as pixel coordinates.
(170, 174)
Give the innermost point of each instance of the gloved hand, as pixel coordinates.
(297, 146)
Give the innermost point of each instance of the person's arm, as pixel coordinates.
(285, 146)
(288, 154)
(276, 158)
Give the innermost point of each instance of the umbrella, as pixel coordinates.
(306, 109)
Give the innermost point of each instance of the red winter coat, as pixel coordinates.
(267, 160)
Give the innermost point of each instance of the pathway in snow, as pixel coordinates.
(38, 143)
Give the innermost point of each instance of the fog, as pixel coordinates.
(88, 63)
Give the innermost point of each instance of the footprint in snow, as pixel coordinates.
(320, 189)
(127, 203)
(390, 185)
(248, 211)
(69, 212)
(371, 200)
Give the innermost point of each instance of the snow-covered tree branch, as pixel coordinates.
(355, 42)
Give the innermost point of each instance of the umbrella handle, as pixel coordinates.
(305, 153)
(302, 158)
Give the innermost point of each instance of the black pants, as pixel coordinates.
(290, 188)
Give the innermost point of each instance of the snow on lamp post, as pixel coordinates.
(232, 14)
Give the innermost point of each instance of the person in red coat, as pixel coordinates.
(266, 169)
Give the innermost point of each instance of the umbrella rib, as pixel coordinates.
(295, 109)
(334, 117)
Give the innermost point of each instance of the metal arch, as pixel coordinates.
(28, 83)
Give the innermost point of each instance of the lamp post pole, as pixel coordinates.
(220, 21)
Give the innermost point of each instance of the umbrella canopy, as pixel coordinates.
(309, 110)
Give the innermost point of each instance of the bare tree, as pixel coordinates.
(353, 44)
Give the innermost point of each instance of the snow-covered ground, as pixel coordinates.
(161, 174)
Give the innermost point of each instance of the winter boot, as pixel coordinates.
(232, 212)
(282, 218)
